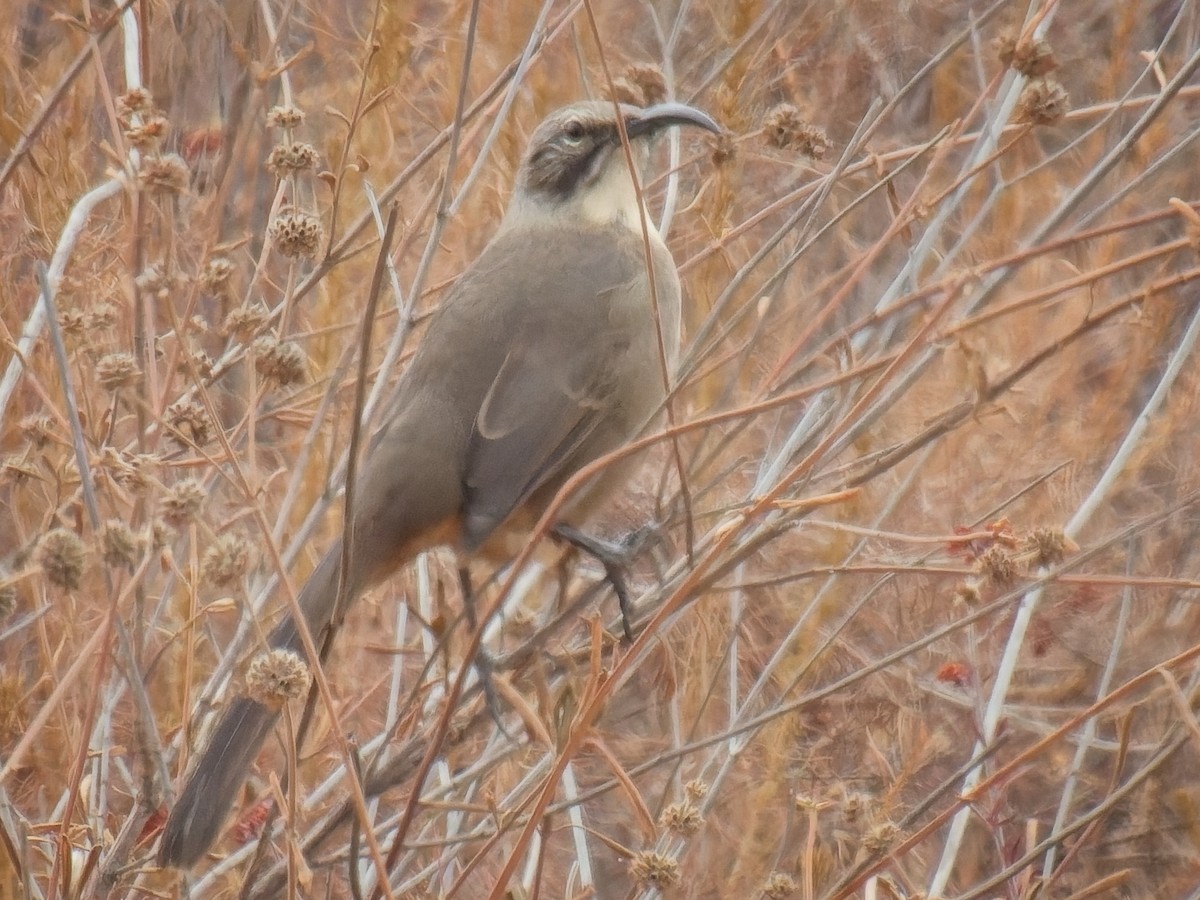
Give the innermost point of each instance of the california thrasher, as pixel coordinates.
(544, 357)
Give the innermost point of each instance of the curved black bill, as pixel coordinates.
(664, 115)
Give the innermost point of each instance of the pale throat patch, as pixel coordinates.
(611, 198)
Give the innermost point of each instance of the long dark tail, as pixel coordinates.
(222, 767)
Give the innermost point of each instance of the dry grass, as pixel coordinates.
(923, 622)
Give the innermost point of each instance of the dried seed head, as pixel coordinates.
(297, 235)
(880, 837)
(183, 501)
(1032, 57)
(779, 885)
(284, 117)
(119, 544)
(997, 566)
(226, 560)
(166, 174)
(131, 471)
(296, 156)
(215, 277)
(38, 430)
(60, 555)
(1043, 102)
(650, 82)
(657, 870)
(785, 129)
(681, 818)
(135, 102)
(244, 322)
(275, 677)
(189, 419)
(280, 361)
(117, 370)
(696, 790)
(148, 134)
(1048, 546)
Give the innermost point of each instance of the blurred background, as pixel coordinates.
(914, 564)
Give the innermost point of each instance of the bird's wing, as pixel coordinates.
(548, 398)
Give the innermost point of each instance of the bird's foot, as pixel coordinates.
(484, 667)
(615, 558)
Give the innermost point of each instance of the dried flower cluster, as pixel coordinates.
(143, 125)
(61, 556)
(681, 818)
(277, 676)
(282, 362)
(148, 134)
(119, 545)
(297, 234)
(653, 869)
(214, 279)
(189, 421)
(131, 471)
(997, 565)
(880, 837)
(166, 174)
(1048, 546)
(183, 501)
(135, 102)
(1043, 102)
(286, 159)
(226, 560)
(1032, 57)
(117, 370)
(284, 117)
(245, 321)
(785, 128)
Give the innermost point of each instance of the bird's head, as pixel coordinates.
(575, 161)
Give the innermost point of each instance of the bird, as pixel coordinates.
(543, 357)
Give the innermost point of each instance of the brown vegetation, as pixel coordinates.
(915, 609)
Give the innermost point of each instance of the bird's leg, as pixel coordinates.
(615, 558)
(483, 660)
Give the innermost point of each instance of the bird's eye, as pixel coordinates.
(573, 131)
